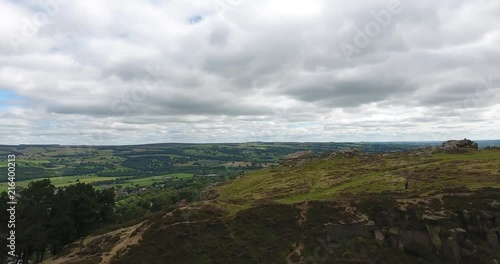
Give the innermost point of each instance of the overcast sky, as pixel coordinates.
(128, 72)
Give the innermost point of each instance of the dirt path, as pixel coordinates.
(194, 222)
(126, 239)
(297, 251)
(129, 240)
(303, 208)
(301, 221)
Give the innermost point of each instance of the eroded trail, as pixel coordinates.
(303, 208)
(116, 243)
(129, 239)
(296, 255)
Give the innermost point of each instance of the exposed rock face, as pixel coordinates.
(452, 244)
(458, 144)
(298, 158)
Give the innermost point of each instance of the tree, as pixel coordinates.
(106, 201)
(4, 218)
(35, 206)
(51, 218)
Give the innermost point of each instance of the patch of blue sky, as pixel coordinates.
(195, 19)
(8, 98)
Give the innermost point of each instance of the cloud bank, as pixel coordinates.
(99, 72)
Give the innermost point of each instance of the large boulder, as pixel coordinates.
(298, 158)
(459, 144)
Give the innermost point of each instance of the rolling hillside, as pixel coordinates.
(421, 206)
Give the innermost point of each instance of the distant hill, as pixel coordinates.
(228, 160)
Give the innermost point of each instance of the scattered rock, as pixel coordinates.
(394, 231)
(459, 235)
(378, 235)
(432, 216)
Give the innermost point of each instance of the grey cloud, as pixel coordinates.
(352, 93)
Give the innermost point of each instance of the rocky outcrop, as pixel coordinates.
(459, 144)
(453, 244)
(347, 153)
(298, 158)
(466, 235)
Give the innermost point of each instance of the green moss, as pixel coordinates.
(434, 235)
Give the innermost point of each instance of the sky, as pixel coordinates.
(133, 71)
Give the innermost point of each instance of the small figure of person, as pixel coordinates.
(406, 185)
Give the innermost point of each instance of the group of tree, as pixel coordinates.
(48, 218)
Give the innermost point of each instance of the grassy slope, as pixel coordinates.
(334, 178)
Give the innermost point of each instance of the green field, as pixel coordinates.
(61, 181)
(147, 181)
(67, 180)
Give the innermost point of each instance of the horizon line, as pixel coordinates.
(246, 142)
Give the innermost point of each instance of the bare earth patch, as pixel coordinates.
(106, 247)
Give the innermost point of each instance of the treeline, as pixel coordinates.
(140, 205)
(126, 152)
(32, 173)
(48, 218)
(149, 163)
(29, 173)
